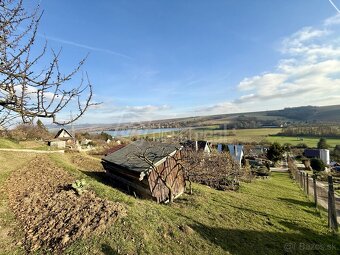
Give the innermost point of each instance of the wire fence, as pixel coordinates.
(322, 192)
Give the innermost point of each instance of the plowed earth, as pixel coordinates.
(51, 213)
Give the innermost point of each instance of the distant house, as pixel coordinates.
(322, 154)
(147, 169)
(199, 146)
(236, 152)
(61, 139)
(57, 143)
(63, 134)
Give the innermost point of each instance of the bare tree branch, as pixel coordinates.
(28, 91)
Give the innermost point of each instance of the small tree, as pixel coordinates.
(275, 152)
(322, 144)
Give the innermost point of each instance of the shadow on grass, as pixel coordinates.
(302, 241)
(297, 202)
(107, 250)
(107, 180)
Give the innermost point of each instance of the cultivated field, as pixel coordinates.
(261, 218)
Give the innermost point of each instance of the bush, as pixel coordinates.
(317, 164)
(261, 171)
(29, 132)
(275, 152)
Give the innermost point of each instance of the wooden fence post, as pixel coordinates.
(307, 184)
(332, 221)
(304, 181)
(301, 179)
(315, 194)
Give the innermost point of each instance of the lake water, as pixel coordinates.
(133, 132)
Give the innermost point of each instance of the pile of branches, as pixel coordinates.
(292, 168)
(217, 170)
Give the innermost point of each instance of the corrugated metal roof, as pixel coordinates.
(128, 157)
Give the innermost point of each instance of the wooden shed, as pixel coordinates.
(147, 169)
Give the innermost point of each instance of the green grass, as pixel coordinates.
(261, 218)
(231, 136)
(9, 144)
(310, 141)
(31, 144)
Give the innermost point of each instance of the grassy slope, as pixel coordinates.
(35, 145)
(6, 143)
(259, 219)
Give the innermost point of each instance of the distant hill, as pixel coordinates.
(286, 116)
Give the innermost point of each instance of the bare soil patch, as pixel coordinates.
(50, 212)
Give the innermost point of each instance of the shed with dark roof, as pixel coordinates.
(148, 169)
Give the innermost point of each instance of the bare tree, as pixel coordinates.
(26, 90)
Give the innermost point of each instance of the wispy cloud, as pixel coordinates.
(84, 46)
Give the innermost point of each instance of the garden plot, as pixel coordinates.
(51, 213)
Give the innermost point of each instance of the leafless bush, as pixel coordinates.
(217, 170)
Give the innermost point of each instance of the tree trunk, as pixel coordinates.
(171, 195)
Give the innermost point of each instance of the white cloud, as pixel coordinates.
(107, 113)
(216, 109)
(335, 20)
(146, 108)
(310, 73)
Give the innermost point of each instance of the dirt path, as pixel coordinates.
(51, 213)
(31, 151)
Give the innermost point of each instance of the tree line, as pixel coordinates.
(312, 131)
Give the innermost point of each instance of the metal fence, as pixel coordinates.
(321, 192)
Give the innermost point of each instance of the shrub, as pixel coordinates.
(275, 152)
(317, 164)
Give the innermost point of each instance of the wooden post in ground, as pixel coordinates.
(304, 181)
(315, 194)
(307, 181)
(332, 221)
(301, 180)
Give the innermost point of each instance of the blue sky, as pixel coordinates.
(155, 59)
